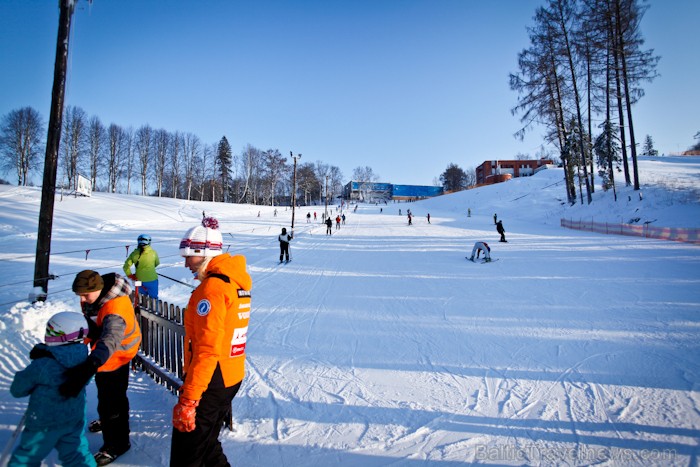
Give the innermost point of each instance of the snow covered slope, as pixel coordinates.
(381, 345)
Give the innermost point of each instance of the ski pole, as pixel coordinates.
(11, 442)
(175, 280)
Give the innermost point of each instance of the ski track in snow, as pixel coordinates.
(380, 345)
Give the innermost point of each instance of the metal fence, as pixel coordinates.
(162, 347)
(675, 234)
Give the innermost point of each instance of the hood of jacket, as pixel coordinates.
(234, 267)
(68, 355)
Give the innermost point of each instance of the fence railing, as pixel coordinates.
(675, 234)
(162, 347)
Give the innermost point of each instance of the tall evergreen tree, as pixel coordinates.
(223, 162)
(453, 178)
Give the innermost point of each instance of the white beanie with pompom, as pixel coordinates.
(202, 240)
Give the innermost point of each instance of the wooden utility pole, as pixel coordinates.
(53, 139)
(294, 185)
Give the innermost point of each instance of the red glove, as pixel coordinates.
(184, 413)
(132, 277)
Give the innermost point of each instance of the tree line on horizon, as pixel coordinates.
(157, 162)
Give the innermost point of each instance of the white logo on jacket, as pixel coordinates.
(240, 336)
(203, 307)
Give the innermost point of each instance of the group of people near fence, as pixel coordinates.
(101, 342)
(216, 329)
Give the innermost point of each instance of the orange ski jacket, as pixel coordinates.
(216, 326)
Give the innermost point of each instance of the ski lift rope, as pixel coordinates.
(248, 246)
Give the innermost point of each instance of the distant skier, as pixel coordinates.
(501, 230)
(337, 222)
(284, 239)
(410, 218)
(495, 218)
(329, 226)
(428, 216)
(399, 212)
(478, 248)
(308, 217)
(314, 215)
(343, 218)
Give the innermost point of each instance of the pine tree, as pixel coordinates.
(648, 148)
(223, 161)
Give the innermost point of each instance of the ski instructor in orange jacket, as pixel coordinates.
(216, 328)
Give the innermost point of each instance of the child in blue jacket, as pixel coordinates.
(52, 421)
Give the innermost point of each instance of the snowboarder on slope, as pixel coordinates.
(478, 248)
(501, 230)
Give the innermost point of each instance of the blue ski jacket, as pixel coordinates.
(40, 380)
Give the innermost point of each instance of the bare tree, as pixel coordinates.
(191, 157)
(97, 136)
(129, 154)
(274, 167)
(161, 142)
(115, 156)
(73, 143)
(176, 159)
(364, 176)
(335, 182)
(144, 143)
(20, 142)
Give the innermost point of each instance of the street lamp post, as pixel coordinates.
(326, 196)
(294, 186)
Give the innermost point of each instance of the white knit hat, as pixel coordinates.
(202, 240)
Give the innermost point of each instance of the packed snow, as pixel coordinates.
(382, 345)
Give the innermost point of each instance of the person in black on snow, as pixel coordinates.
(308, 217)
(501, 230)
(495, 218)
(343, 218)
(284, 239)
(329, 226)
(428, 216)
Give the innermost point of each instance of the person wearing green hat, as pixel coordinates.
(145, 260)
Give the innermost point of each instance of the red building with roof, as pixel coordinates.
(501, 170)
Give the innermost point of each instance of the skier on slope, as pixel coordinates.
(329, 226)
(501, 230)
(481, 247)
(284, 239)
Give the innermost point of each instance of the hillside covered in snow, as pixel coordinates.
(382, 345)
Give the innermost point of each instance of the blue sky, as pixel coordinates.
(403, 86)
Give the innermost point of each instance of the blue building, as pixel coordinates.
(378, 192)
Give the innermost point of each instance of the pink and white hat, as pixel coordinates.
(202, 240)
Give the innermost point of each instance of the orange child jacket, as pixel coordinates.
(132, 335)
(216, 326)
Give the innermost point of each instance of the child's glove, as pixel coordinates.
(184, 414)
(77, 377)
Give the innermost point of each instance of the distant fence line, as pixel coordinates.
(675, 234)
